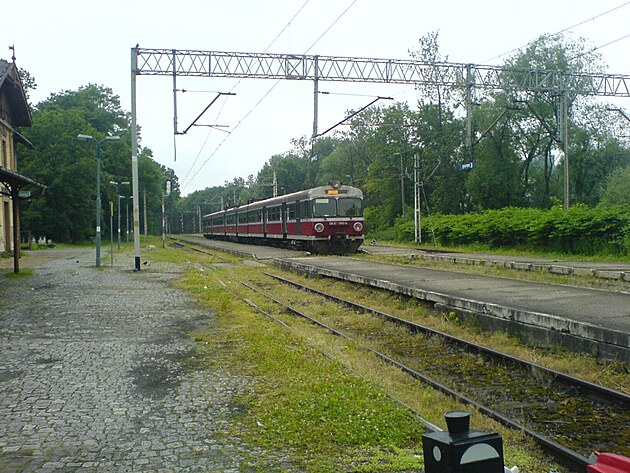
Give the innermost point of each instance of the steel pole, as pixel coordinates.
(98, 203)
(119, 217)
(127, 226)
(565, 140)
(144, 216)
(134, 160)
(111, 233)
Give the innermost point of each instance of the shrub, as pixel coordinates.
(581, 230)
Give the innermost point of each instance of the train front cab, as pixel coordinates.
(336, 219)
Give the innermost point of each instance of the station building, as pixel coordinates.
(14, 113)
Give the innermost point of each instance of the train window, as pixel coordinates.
(242, 217)
(273, 214)
(255, 216)
(350, 207)
(291, 211)
(324, 207)
(305, 209)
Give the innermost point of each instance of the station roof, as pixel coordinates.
(11, 85)
(16, 181)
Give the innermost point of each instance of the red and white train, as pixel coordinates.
(327, 219)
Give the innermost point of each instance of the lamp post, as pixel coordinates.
(98, 188)
(118, 184)
(127, 207)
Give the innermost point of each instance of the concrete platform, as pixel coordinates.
(612, 271)
(580, 319)
(257, 252)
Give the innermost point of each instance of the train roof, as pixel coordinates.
(346, 191)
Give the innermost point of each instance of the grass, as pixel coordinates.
(22, 274)
(321, 404)
(509, 251)
(304, 402)
(316, 397)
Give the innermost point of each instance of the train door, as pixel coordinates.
(264, 221)
(298, 217)
(283, 217)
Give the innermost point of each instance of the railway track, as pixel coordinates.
(567, 416)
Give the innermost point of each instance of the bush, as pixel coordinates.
(581, 230)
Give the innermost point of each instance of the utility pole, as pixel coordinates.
(417, 201)
(315, 99)
(469, 105)
(146, 231)
(402, 183)
(564, 117)
(275, 185)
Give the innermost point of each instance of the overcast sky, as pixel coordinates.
(67, 44)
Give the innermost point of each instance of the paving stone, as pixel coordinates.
(93, 374)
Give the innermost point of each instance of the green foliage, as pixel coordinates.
(493, 183)
(22, 274)
(617, 188)
(581, 230)
(515, 149)
(67, 166)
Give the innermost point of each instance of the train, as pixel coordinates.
(325, 220)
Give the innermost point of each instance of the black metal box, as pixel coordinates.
(461, 450)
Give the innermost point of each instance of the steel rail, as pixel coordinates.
(429, 425)
(592, 388)
(565, 455)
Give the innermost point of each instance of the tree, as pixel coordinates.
(537, 125)
(68, 166)
(493, 183)
(616, 189)
(291, 173)
(28, 83)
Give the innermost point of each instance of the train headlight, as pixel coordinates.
(358, 226)
(318, 227)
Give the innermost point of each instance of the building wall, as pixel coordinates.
(7, 161)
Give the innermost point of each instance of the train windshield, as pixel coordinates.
(350, 207)
(329, 207)
(324, 207)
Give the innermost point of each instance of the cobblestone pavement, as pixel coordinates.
(95, 374)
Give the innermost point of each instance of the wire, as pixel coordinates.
(602, 46)
(232, 90)
(273, 86)
(287, 26)
(235, 127)
(562, 31)
(348, 94)
(331, 25)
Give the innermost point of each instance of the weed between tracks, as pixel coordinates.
(319, 399)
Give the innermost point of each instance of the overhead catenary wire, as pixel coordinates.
(602, 46)
(562, 30)
(231, 91)
(270, 89)
(330, 27)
